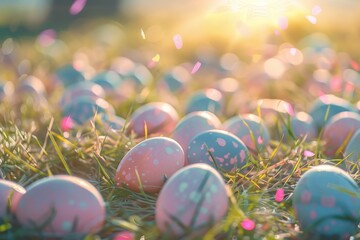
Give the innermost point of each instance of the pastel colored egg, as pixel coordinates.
(195, 197)
(193, 124)
(83, 109)
(68, 75)
(81, 89)
(323, 204)
(9, 191)
(6, 89)
(32, 85)
(301, 126)
(159, 118)
(271, 109)
(176, 79)
(151, 162)
(326, 106)
(206, 100)
(219, 149)
(62, 205)
(352, 150)
(250, 129)
(113, 122)
(338, 132)
(108, 80)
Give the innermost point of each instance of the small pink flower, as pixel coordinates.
(248, 224)
(308, 153)
(279, 195)
(125, 235)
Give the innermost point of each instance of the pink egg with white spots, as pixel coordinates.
(218, 148)
(338, 131)
(157, 118)
(62, 205)
(250, 129)
(149, 164)
(195, 197)
(9, 191)
(193, 124)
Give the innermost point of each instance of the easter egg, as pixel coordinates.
(271, 109)
(219, 149)
(352, 150)
(338, 131)
(68, 75)
(149, 164)
(324, 205)
(301, 126)
(206, 100)
(250, 129)
(32, 85)
(62, 205)
(113, 122)
(195, 197)
(9, 191)
(108, 80)
(82, 89)
(193, 124)
(157, 118)
(327, 106)
(176, 79)
(6, 89)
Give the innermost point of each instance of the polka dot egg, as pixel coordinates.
(62, 205)
(323, 204)
(9, 191)
(152, 162)
(195, 197)
(219, 149)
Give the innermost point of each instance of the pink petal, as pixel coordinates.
(248, 224)
(67, 124)
(308, 153)
(125, 235)
(178, 41)
(279, 195)
(311, 19)
(77, 6)
(196, 67)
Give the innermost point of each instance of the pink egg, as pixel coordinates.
(159, 118)
(193, 124)
(152, 162)
(62, 205)
(195, 197)
(9, 190)
(338, 130)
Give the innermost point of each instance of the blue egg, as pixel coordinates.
(176, 79)
(352, 151)
(68, 75)
(82, 89)
(210, 100)
(326, 106)
(219, 149)
(301, 126)
(6, 89)
(108, 80)
(113, 122)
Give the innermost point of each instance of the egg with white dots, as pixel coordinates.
(326, 203)
(250, 129)
(195, 197)
(193, 124)
(149, 164)
(218, 148)
(62, 205)
(9, 192)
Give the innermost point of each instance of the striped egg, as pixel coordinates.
(338, 131)
(326, 203)
(193, 124)
(219, 149)
(9, 191)
(149, 164)
(194, 197)
(157, 118)
(250, 129)
(62, 205)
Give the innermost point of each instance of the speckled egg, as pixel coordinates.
(243, 126)
(323, 203)
(195, 197)
(152, 162)
(206, 100)
(219, 149)
(338, 132)
(327, 106)
(160, 118)
(62, 205)
(10, 190)
(352, 150)
(193, 124)
(302, 126)
(68, 75)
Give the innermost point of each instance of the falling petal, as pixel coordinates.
(156, 58)
(143, 34)
(196, 67)
(178, 41)
(316, 10)
(355, 65)
(311, 19)
(67, 124)
(279, 195)
(308, 153)
(47, 37)
(77, 6)
(248, 224)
